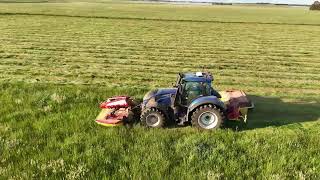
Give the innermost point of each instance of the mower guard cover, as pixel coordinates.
(237, 104)
(115, 111)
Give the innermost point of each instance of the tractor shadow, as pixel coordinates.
(270, 111)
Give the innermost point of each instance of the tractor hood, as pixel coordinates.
(165, 91)
(159, 97)
(159, 92)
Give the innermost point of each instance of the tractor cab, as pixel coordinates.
(192, 86)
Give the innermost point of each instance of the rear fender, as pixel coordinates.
(205, 100)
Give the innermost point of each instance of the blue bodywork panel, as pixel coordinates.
(165, 91)
(206, 100)
(159, 97)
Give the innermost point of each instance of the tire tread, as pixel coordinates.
(194, 118)
(148, 111)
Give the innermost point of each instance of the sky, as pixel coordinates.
(255, 1)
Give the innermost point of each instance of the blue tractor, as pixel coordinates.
(191, 100)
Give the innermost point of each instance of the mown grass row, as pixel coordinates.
(118, 9)
(147, 53)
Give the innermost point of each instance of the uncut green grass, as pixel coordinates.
(54, 71)
(47, 131)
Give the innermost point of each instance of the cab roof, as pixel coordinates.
(197, 77)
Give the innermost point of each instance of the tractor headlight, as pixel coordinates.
(149, 95)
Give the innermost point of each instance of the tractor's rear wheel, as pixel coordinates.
(207, 117)
(153, 118)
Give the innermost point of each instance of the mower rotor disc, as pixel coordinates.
(208, 120)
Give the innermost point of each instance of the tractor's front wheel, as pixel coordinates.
(207, 117)
(152, 118)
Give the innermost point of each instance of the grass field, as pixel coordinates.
(59, 60)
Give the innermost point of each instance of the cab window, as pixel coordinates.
(192, 90)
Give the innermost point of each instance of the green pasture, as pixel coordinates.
(59, 59)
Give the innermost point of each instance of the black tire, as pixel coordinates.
(152, 118)
(207, 113)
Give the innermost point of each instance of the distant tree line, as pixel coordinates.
(315, 6)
